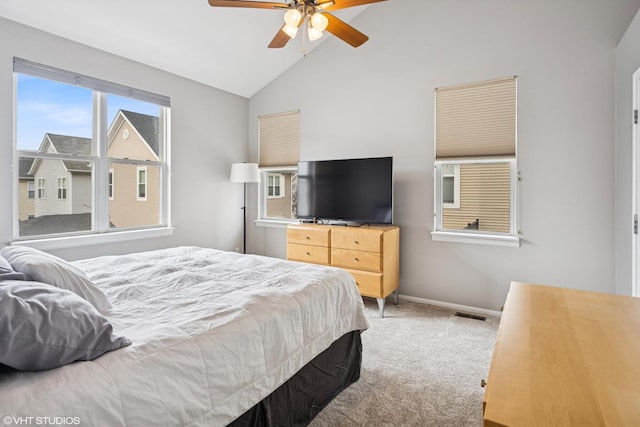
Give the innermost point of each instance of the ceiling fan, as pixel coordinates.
(314, 12)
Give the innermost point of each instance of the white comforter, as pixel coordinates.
(213, 333)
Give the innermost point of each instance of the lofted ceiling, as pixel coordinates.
(222, 47)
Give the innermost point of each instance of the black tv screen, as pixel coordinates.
(350, 190)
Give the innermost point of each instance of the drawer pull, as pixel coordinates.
(355, 258)
(483, 383)
(308, 253)
(307, 237)
(356, 242)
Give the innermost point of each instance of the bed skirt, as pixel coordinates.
(303, 396)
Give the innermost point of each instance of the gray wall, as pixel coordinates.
(209, 132)
(627, 62)
(378, 100)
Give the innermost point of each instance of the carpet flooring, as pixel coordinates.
(421, 366)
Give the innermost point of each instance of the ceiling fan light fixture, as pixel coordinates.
(290, 31)
(319, 21)
(292, 17)
(314, 33)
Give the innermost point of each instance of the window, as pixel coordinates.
(279, 154)
(475, 182)
(111, 193)
(142, 183)
(275, 185)
(78, 132)
(31, 192)
(62, 188)
(451, 186)
(41, 189)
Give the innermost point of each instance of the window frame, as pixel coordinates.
(456, 187)
(455, 150)
(100, 231)
(262, 196)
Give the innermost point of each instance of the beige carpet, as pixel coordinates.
(422, 366)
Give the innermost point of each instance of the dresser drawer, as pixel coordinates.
(357, 260)
(308, 236)
(308, 253)
(369, 284)
(363, 239)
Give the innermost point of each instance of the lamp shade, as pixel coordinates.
(245, 172)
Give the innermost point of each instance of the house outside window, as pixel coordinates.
(111, 177)
(62, 188)
(279, 155)
(83, 165)
(275, 185)
(41, 188)
(475, 170)
(31, 193)
(142, 183)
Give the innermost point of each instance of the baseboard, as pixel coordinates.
(457, 307)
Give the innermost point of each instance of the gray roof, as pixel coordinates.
(147, 127)
(23, 168)
(65, 144)
(55, 224)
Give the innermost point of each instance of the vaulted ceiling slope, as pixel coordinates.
(222, 47)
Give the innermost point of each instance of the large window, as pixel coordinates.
(279, 153)
(76, 132)
(475, 162)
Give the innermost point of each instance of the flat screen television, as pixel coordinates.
(349, 190)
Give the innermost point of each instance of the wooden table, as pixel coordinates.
(565, 357)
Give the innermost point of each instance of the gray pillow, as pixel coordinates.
(43, 327)
(43, 267)
(8, 273)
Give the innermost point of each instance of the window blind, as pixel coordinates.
(476, 119)
(280, 139)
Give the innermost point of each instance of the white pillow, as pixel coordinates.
(43, 267)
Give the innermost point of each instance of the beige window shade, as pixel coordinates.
(477, 119)
(280, 139)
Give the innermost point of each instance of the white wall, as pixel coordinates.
(627, 62)
(209, 132)
(378, 100)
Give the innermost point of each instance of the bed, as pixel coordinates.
(204, 337)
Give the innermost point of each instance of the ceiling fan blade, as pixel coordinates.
(280, 40)
(248, 3)
(343, 4)
(344, 31)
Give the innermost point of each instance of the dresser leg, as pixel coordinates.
(381, 302)
(395, 297)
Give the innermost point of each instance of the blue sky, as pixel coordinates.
(47, 106)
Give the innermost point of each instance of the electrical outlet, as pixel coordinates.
(237, 250)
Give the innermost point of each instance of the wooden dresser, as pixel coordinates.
(565, 357)
(370, 253)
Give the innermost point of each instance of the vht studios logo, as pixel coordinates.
(56, 421)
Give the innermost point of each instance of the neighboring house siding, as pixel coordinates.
(26, 206)
(281, 207)
(125, 210)
(51, 170)
(484, 195)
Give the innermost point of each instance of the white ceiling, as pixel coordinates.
(222, 47)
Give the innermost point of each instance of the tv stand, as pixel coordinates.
(371, 253)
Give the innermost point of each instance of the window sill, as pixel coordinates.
(275, 222)
(478, 239)
(95, 239)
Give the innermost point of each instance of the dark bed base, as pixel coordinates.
(303, 396)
